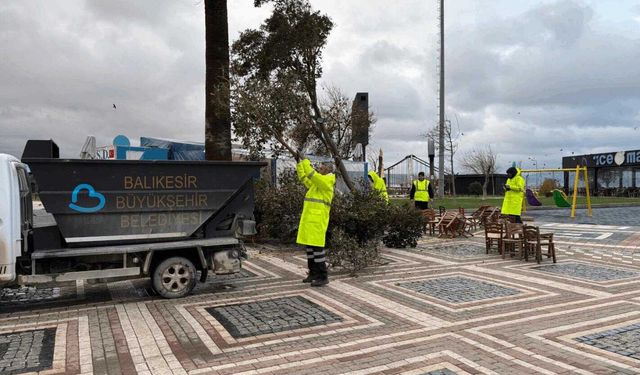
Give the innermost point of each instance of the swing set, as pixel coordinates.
(558, 195)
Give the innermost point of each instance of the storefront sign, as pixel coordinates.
(609, 159)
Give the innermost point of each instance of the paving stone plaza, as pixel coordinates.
(442, 308)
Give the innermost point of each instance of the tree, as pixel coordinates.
(482, 161)
(451, 144)
(217, 107)
(283, 59)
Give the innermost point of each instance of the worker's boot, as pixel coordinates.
(310, 277)
(312, 269)
(322, 278)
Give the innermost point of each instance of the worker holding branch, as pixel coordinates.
(315, 217)
(379, 185)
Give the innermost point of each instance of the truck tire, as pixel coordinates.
(174, 277)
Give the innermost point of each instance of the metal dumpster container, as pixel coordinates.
(107, 201)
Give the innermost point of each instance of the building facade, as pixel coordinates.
(610, 173)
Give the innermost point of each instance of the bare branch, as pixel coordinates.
(481, 160)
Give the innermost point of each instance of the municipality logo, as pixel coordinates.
(97, 198)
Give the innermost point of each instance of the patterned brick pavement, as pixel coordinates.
(442, 308)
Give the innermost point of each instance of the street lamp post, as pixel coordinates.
(441, 127)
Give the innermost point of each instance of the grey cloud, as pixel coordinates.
(62, 75)
(524, 66)
(549, 77)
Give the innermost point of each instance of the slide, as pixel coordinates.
(560, 198)
(532, 200)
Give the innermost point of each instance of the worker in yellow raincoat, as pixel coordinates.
(513, 194)
(379, 185)
(315, 218)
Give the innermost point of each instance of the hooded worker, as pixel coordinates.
(514, 194)
(379, 185)
(315, 218)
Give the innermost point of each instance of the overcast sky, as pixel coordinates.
(533, 79)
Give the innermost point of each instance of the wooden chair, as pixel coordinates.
(513, 241)
(493, 235)
(546, 239)
(450, 224)
(431, 221)
(534, 241)
(489, 215)
(476, 216)
(469, 223)
(461, 228)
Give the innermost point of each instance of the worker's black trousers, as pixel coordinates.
(516, 219)
(317, 262)
(421, 205)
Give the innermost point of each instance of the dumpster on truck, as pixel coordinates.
(117, 218)
(121, 201)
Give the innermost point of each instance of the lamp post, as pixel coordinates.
(442, 114)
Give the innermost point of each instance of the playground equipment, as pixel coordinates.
(574, 197)
(560, 198)
(532, 200)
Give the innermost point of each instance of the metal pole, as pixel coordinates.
(441, 133)
(574, 201)
(432, 153)
(586, 185)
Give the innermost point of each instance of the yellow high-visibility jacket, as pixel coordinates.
(379, 185)
(317, 204)
(512, 204)
(422, 190)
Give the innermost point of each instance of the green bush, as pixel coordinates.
(362, 214)
(278, 208)
(475, 188)
(405, 227)
(347, 253)
(359, 221)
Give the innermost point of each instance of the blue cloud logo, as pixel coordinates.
(92, 194)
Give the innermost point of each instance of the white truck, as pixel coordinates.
(167, 220)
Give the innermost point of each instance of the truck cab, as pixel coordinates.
(16, 214)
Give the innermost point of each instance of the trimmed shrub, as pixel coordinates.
(406, 226)
(278, 209)
(359, 221)
(475, 188)
(362, 214)
(347, 253)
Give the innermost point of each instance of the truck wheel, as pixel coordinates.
(174, 277)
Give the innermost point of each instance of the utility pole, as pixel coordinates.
(441, 128)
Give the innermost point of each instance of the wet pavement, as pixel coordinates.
(445, 307)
